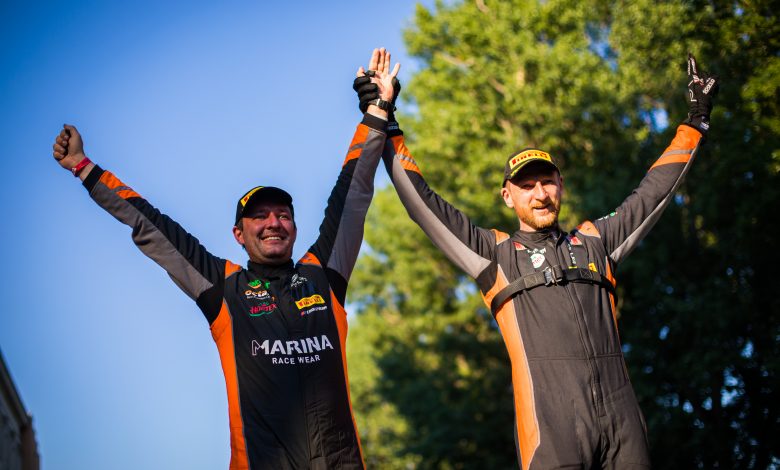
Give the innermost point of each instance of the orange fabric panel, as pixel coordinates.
(127, 194)
(361, 134)
(231, 268)
(406, 160)
(528, 436)
(222, 332)
(340, 316)
(108, 179)
(612, 279)
(310, 259)
(587, 228)
(500, 236)
(686, 139)
(671, 159)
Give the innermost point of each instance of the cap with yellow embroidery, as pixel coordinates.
(269, 193)
(518, 161)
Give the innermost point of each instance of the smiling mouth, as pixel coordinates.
(272, 238)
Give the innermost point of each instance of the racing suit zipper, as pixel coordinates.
(554, 243)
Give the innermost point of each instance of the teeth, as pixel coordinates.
(273, 238)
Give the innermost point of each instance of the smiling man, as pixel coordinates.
(552, 292)
(280, 327)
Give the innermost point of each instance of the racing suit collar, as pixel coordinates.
(539, 236)
(268, 271)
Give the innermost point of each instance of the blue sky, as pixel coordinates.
(191, 103)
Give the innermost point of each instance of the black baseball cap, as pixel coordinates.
(269, 193)
(518, 161)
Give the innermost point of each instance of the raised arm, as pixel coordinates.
(624, 228)
(198, 273)
(468, 246)
(341, 231)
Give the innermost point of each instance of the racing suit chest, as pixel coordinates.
(290, 371)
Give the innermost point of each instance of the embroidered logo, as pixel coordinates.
(519, 246)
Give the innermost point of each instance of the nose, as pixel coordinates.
(539, 191)
(273, 220)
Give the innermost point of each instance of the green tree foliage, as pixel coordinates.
(590, 81)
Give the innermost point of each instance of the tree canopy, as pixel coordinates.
(599, 84)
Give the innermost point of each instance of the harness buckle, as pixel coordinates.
(548, 277)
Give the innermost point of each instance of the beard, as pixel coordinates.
(540, 221)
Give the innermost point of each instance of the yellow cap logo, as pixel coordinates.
(532, 154)
(245, 199)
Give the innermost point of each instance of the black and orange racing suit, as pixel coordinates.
(574, 404)
(280, 331)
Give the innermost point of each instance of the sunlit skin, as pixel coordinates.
(535, 195)
(267, 232)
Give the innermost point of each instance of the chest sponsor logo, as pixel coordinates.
(262, 295)
(292, 352)
(262, 309)
(257, 283)
(309, 301)
(537, 256)
(297, 280)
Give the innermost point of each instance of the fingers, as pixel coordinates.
(386, 65)
(71, 130)
(372, 64)
(692, 70)
(360, 72)
(58, 152)
(397, 67)
(380, 63)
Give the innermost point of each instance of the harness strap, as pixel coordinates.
(550, 276)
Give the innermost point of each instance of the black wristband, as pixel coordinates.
(382, 104)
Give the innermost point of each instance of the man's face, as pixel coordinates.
(267, 232)
(535, 195)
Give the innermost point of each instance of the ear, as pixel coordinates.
(507, 197)
(239, 235)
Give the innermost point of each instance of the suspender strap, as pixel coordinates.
(550, 276)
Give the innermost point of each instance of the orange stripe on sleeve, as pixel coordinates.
(310, 259)
(340, 316)
(127, 194)
(528, 436)
(681, 158)
(404, 155)
(361, 134)
(108, 179)
(686, 138)
(222, 332)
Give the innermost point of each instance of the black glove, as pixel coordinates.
(701, 90)
(368, 91)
